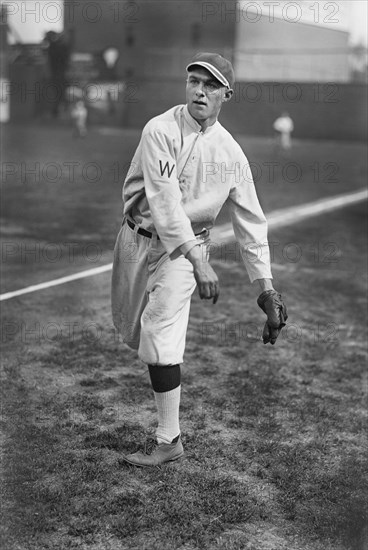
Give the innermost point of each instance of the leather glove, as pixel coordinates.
(270, 301)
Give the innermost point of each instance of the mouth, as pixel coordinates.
(200, 103)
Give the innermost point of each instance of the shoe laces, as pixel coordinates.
(149, 445)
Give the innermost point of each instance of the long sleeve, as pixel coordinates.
(250, 226)
(162, 189)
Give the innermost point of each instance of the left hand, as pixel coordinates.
(270, 301)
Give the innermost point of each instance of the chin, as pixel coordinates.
(198, 112)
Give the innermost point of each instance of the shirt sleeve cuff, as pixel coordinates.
(186, 247)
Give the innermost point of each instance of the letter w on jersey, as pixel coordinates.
(165, 168)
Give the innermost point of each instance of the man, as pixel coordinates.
(284, 125)
(58, 48)
(79, 116)
(185, 168)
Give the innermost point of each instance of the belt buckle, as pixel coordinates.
(203, 234)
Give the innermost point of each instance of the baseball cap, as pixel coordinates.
(217, 65)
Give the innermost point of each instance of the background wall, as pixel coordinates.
(320, 111)
(144, 31)
(279, 50)
(301, 68)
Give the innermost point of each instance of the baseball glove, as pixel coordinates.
(271, 303)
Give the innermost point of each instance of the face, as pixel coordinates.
(205, 95)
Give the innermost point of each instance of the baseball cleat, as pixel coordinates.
(164, 452)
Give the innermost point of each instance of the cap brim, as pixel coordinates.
(216, 73)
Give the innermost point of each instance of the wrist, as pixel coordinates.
(265, 284)
(195, 256)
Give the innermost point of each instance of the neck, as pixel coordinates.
(205, 123)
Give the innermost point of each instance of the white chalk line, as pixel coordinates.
(295, 214)
(277, 218)
(56, 282)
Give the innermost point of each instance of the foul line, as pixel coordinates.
(277, 218)
(295, 214)
(56, 282)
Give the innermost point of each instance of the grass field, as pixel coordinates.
(275, 437)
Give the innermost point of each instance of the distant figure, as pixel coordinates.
(284, 125)
(79, 115)
(57, 46)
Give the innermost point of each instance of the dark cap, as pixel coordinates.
(217, 65)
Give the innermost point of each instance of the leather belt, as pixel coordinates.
(141, 231)
(148, 234)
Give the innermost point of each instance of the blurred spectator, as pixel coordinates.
(108, 69)
(359, 64)
(58, 51)
(284, 125)
(79, 115)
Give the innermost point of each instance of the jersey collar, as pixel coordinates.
(194, 124)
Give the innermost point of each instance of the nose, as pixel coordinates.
(199, 90)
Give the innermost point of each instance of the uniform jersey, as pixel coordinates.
(181, 176)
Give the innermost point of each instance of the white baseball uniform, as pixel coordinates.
(285, 125)
(179, 179)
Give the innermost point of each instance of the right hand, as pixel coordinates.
(206, 278)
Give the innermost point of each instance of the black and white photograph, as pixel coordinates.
(184, 274)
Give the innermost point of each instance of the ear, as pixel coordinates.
(227, 95)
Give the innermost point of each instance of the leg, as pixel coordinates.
(166, 385)
(163, 332)
(164, 320)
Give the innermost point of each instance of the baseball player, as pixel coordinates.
(284, 126)
(185, 168)
(79, 115)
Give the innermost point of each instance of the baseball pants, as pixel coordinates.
(150, 296)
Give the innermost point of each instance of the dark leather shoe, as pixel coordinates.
(164, 452)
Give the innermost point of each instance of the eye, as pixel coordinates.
(211, 86)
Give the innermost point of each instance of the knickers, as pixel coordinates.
(151, 295)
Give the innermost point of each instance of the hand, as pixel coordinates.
(206, 278)
(272, 304)
(207, 282)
